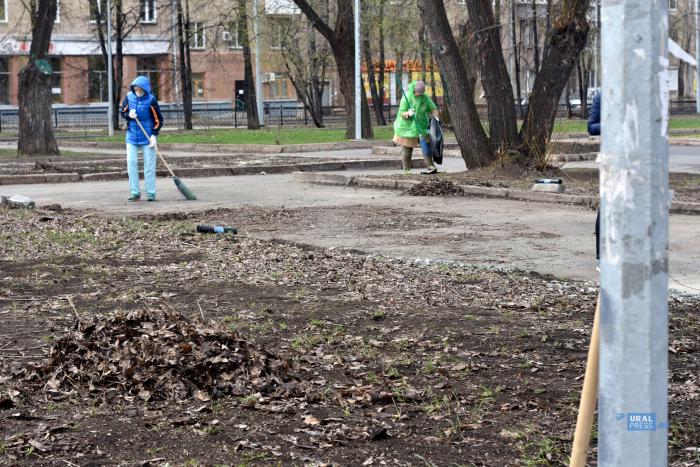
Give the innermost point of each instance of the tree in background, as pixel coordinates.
(35, 125)
(373, 18)
(342, 43)
(184, 36)
(307, 66)
(251, 107)
(124, 20)
(473, 142)
(567, 38)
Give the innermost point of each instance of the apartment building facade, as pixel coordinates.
(150, 48)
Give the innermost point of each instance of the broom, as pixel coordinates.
(179, 184)
(589, 393)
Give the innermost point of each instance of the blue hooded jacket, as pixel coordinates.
(147, 111)
(594, 116)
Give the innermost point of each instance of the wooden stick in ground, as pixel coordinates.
(589, 394)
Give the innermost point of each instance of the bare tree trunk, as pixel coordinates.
(432, 78)
(535, 38)
(35, 125)
(251, 108)
(473, 142)
(494, 76)
(381, 76)
(568, 38)
(377, 104)
(582, 89)
(516, 53)
(423, 54)
(118, 74)
(342, 43)
(183, 32)
(568, 100)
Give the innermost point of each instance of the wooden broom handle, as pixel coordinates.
(157, 151)
(589, 393)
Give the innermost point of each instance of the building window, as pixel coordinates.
(97, 79)
(672, 5)
(56, 79)
(3, 10)
(279, 27)
(148, 11)
(197, 85)
(98, 7)
(231, 36)
(198, 36)
(4, 80)
(148, 67)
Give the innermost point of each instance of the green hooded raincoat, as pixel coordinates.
(408, 130)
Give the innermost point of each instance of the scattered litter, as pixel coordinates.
(216, 229)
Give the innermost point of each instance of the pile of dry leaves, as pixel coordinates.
(435, 188)
(155, 355)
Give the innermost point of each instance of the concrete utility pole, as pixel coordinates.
(258, 63)
(110, 90)
(697, 56)
(632, 410)
(358, 90)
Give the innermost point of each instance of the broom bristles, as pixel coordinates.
(186, 192)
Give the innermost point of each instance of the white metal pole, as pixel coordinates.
(697, 56)
(258, 63)
(110, 88)
(358, 90)
(633, 386)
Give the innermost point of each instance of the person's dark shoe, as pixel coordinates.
(151, 197)
(134, 197)
(431, 171)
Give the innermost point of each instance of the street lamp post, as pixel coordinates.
(110, 90)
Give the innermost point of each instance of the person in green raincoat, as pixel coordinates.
(412, 124)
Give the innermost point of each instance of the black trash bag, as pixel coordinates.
(436, 141)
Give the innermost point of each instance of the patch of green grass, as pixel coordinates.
(265, 136)
(546, 452)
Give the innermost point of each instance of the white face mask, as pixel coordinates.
(138, 91)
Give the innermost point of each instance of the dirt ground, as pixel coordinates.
(577, 181)
(389, 362)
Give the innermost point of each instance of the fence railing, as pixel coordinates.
(275, 114)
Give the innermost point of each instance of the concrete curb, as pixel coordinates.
(520, 195)
(213, 171)
(244, 148)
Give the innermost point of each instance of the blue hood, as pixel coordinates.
(143, 83)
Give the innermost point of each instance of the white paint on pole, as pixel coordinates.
(358, 90)
(110, 87)
(633, 401)
(258, 64)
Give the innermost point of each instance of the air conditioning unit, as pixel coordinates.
(226, 36)
(268, 77)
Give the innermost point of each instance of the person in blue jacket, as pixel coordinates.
(594, 117)
(142, 104)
